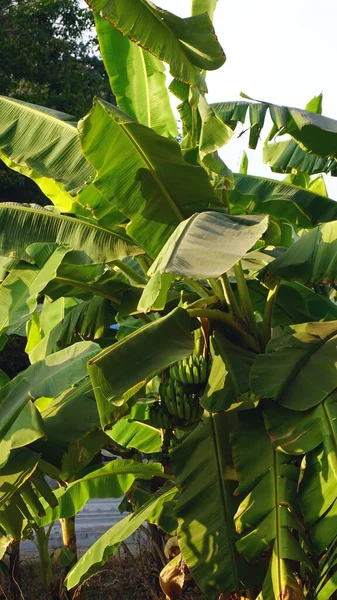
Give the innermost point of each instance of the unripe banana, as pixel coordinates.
(187, 408)
(180, 406)
(189, 374)
(196, 374)
(182, 373)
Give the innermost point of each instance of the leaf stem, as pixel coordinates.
(217, 289)
(130, 273)
(268, 315)
(245, 300)
(203, 302)
(229, 296)
(198, 288)
(228, 321)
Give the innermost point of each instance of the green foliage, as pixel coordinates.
(181, 312)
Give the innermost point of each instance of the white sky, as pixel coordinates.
(282, 52)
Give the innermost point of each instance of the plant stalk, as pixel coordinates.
(268, 315)
(229, 297)
(198, 288)
(69, 538)
(45, 560)
(228, 321)
(217, 289)
(245, 300)
(129, 272)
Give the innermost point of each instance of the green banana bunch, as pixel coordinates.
(159, 418)
(190, 371)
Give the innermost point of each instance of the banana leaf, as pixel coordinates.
(21, 226)
(312, 259)
(16, 472)
(20, 289)
(109, 543)
(44, 145)
(293, 204)
(269, 515)
(110, 481)
(143, 175)
(149, 349)
(187, 45)
(132, 432)
(285, 157)
(299, 367)
(202, 6)
(137, 79)
(313, 433)
(21, 423)
(208, 244)
(203, 467)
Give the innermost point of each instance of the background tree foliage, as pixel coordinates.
(48, 56)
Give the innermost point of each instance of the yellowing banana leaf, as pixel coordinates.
(299, 368)
(44, 145)
(269, 515)
(293, 204)
(312, 259)
(187, 45)
(111, 481)
(143, 175)
(208, 244)
(19, 290)
(149, 349)
(21, 226)
(109, 543)
(137, 79)
(203, 467)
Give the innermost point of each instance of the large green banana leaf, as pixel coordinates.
(295, 303)
(299, 367)
(21, 226)
(109, 543)
(71, 442)
(269, 515)
(314, 433)
(51, 376)
(327, 582)
(137, 79)
(208, 244)
(312, 259)
(132, 432)
(111, 481)
(20, 289)
(314, 132)
(149, 349)
(17, 471)
(44, 145)
(143, 175)
(285, 157)
(228, 381)
(21, 423)
(187, 45)
(293, 204)
(203, 467)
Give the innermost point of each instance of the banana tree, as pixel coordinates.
(208, 299)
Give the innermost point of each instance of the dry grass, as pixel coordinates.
(121, 578)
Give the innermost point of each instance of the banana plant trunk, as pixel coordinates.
(69, 538)
(45, 559)
(14, 570)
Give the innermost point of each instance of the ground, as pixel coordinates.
(121, 578)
